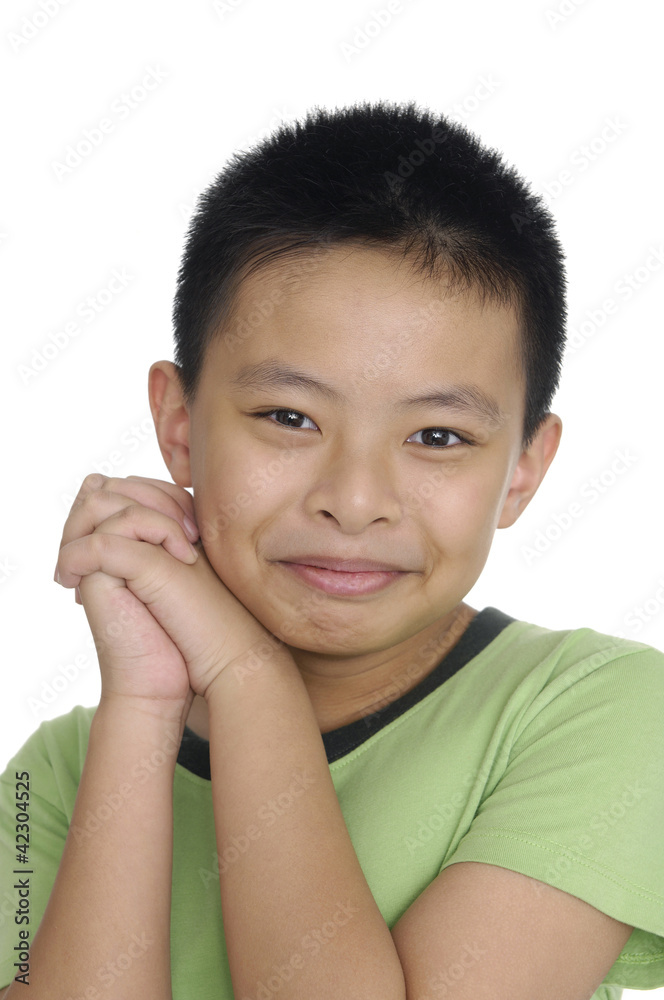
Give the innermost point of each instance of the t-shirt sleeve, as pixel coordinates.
(53, 758)
(579, 803)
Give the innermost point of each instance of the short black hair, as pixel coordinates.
(383, 175)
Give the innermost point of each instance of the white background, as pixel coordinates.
(538, 79)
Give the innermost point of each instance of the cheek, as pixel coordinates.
(460, 510)
(221, 490)
(240, 488)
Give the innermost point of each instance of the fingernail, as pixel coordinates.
(190, 528)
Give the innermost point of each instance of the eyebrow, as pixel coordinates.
(464, 398)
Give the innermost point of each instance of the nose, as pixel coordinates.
(355, 490)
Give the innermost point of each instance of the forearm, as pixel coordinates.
(295, 901)
(107, 923)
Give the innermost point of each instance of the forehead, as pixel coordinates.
(370, 318)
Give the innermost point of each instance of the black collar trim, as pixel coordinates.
(194, 752)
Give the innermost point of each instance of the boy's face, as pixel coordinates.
(347, 468)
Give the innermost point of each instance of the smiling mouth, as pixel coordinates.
(347, 581)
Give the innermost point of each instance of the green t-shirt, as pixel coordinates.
(536, 750)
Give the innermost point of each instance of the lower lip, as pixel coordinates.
(345, 584)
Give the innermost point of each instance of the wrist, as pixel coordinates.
(266, 658)
(145, 719)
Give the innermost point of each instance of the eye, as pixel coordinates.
(437, 437)
(292, 418)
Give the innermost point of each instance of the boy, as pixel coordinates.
(303, 727)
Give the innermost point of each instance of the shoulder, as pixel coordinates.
(564, 658)
(586, 710)
(578, 641)
(58, 744)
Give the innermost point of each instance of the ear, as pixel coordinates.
(531, 469)
(171, 420)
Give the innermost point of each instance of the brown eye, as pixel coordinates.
(437, 437)
(293, 418)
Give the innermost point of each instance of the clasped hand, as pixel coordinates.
(164, 624)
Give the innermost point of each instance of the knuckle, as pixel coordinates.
(94, 481)
(103, 542)
(130, 512)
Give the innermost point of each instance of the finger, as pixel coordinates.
(101, 506)
(136, 523)
(141, 486)
(123, 558)
(100, 497)
(145, 525)
(179, 493)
